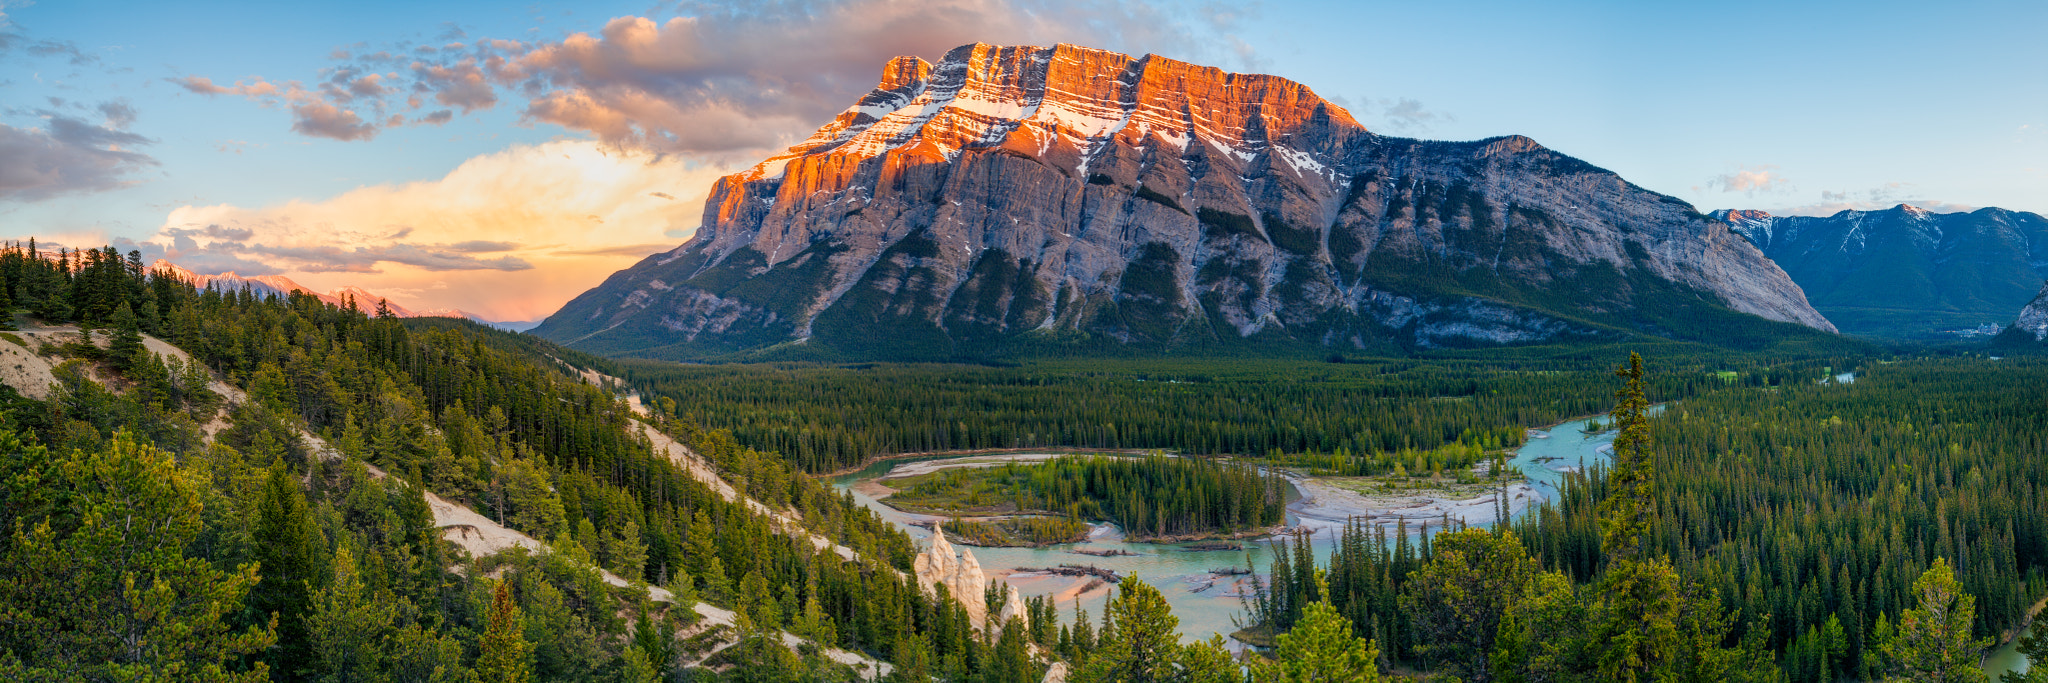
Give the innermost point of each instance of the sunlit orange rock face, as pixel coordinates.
(1078, 193)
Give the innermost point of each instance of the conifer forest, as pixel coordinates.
(210, 484)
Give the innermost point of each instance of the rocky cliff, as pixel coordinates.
(1906, 271)
(2032, 325)
(1008, 197)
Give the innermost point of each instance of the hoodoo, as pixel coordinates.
(964, 580)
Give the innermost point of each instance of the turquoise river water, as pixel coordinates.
(1206, 603)
(1209, 604)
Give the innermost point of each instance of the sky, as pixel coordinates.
(502, 158)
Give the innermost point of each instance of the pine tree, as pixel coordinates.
(1460, 598)
(126, 348)
(1320, 649)
(503, 652)
(755, 600)
(1834, 647)
(1140, 638)
(717, 587)
(653, 640)
(94, 580)
(1933, 640)
(291, 554)
(347, 626)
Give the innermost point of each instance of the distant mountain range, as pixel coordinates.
(278, 285)
(1012, 199)
(1905, 272)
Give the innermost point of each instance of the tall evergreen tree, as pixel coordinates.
(291, 555)
(126, 349)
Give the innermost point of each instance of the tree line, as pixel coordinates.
(830, 417)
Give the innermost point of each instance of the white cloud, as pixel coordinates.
(1751, 180)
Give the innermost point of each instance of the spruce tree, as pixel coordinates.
(291, 556)
(1637, 629)
(126, 348)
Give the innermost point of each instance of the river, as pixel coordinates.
(2006, 658)
(1205, 603)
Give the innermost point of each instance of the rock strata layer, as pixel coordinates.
(1014, 196)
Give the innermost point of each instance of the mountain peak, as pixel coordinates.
(904, 72)
(1083, 193)
(278, 285)
(1058, 102)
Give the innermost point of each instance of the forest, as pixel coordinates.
(1807, 525)
(145, 540)
(832, 417)
(1149, 497)
(258, 503)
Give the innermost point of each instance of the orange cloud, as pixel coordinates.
(510, 235)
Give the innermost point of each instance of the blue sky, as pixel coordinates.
(1789, 107)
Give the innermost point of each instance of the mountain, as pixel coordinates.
(2030, 330)
(1906, 271)
(1009, 198)
(279, 285)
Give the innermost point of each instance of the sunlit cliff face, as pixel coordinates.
(508, 236)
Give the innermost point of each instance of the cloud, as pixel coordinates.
(324, 120)
(71, 156)
(459, 85)
(51, 48)
(1409, 115)
(725, 81)
(633, 250)
(500, 219)
(205, 86)
(1750, 180)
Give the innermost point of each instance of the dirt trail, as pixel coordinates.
(786, 521)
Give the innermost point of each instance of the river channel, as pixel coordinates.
(1205, 603)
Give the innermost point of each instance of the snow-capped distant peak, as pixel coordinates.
(1753, 224)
